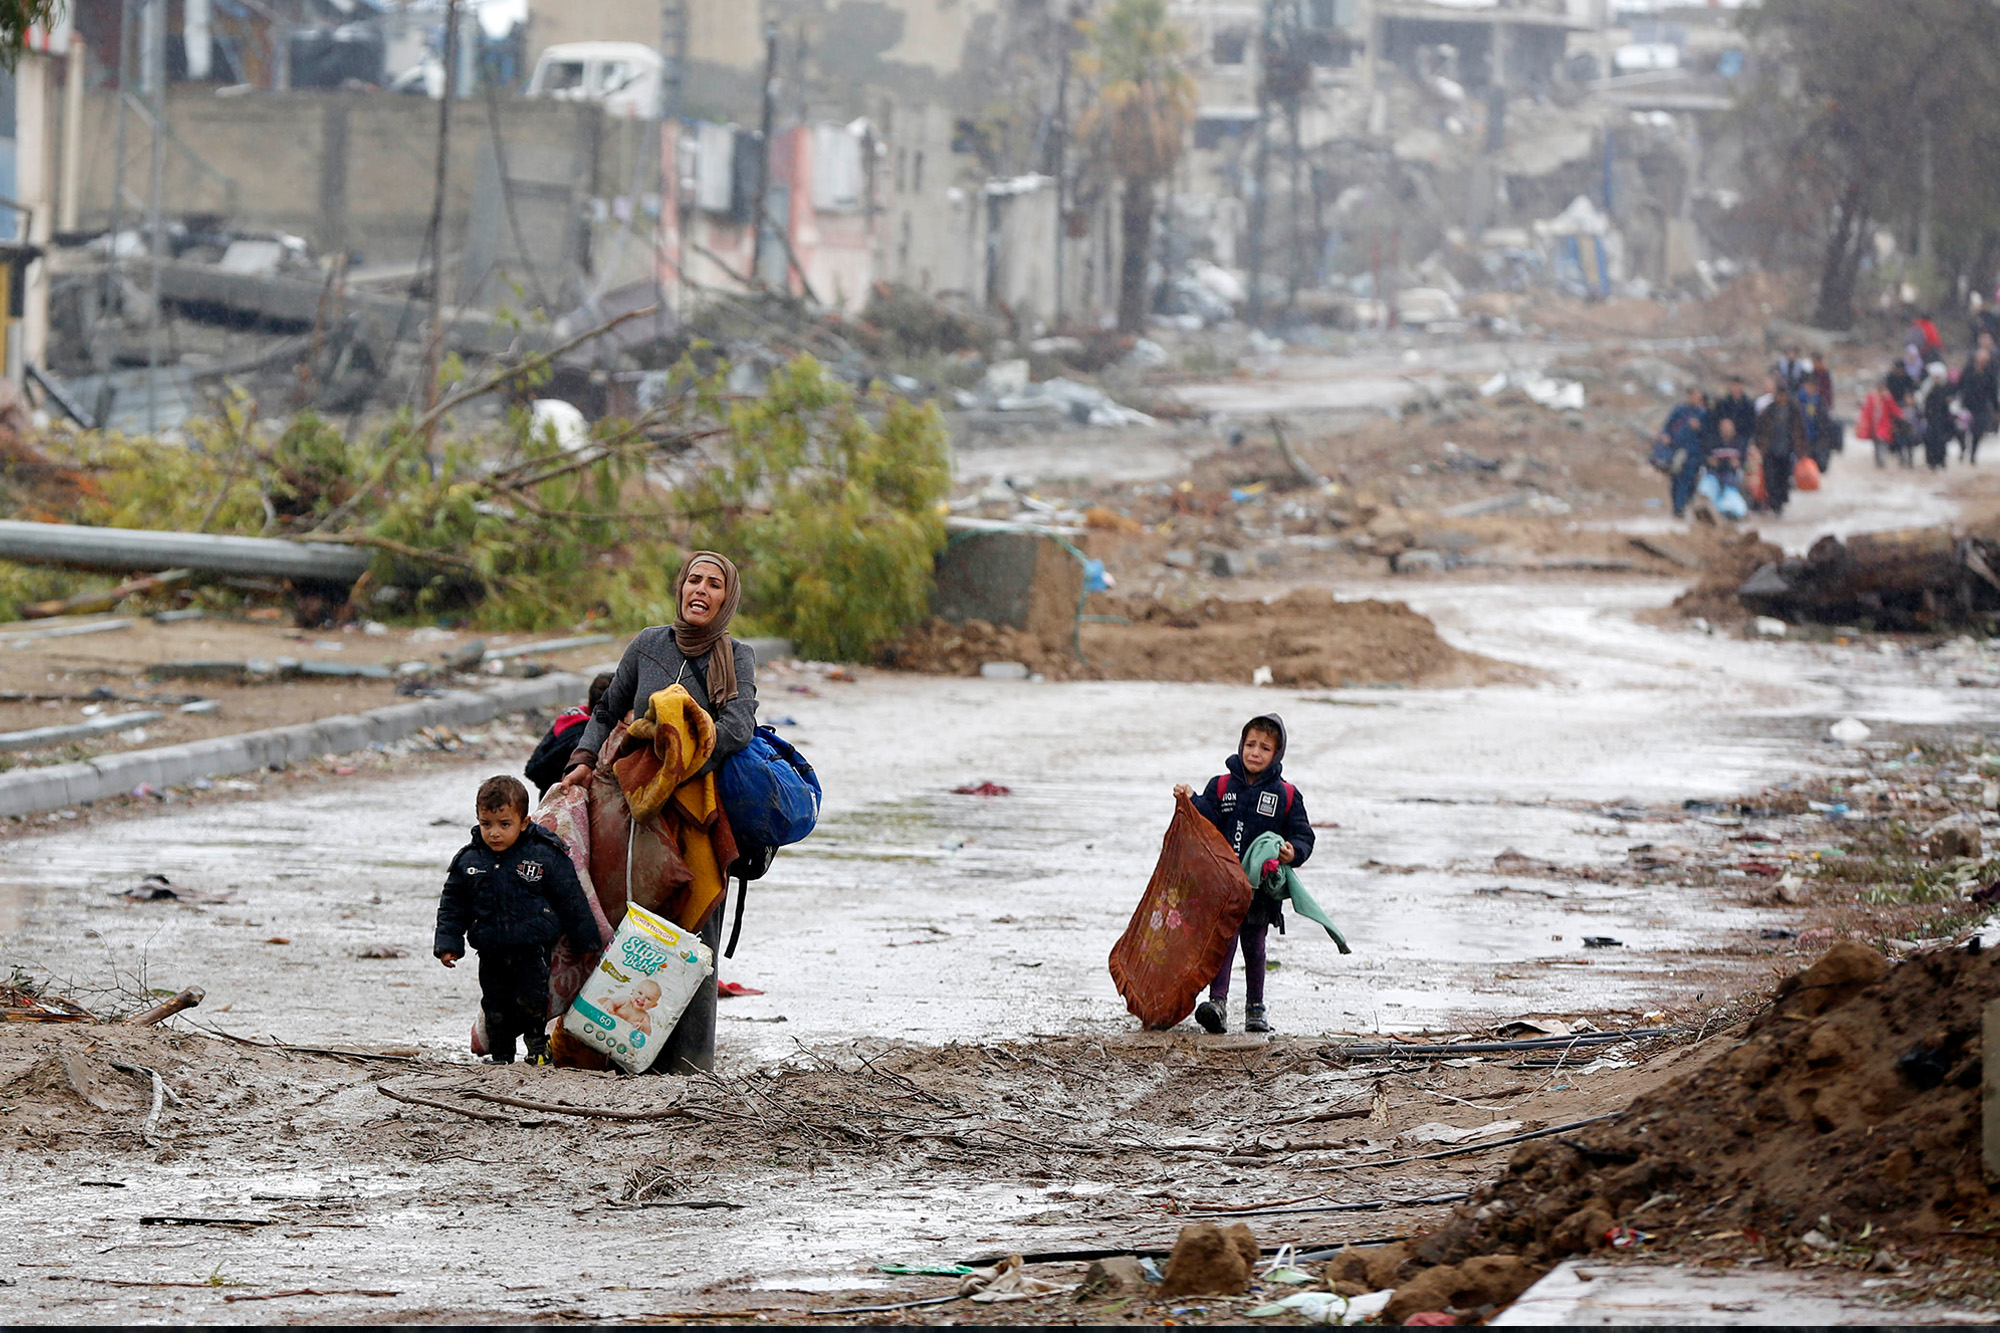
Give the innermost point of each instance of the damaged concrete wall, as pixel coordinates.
(910, 67)
(353, 171)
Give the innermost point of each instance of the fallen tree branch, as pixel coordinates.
(397, 1095)
(332, 1051)
(533, 360)
(1509, 1141)
(595, 1112)
(394, 547)
(166, 1009)
(1371, 1206)
(1305, 475)
(419, 430)
(303, 1291)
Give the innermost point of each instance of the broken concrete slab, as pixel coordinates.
(546, 646)
(1581, 1294)
(1667, 549)
(1018, 579)
(36, 738)
(1492, 504)
(343, 670)
(259, 669)
(25, 791)
(19, 638)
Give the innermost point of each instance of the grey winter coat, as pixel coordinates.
(651, 663)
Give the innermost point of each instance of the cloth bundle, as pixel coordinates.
(1184, 923)
(657, 837)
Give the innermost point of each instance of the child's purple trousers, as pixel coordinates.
(1252, 940)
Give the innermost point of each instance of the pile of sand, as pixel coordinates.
(1851, 1107)
(1307, 638)
(1727, 561)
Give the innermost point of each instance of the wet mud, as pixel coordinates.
(960, 924)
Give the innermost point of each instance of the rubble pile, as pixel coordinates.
(1844, 1125)
(1726, 565)
(1306, 639)
(1907, 578)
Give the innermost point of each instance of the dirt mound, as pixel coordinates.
(1851, 1107)
(1727, 561)
(1307, 638)
(63, 1083)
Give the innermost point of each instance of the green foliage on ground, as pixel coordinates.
(829, 504)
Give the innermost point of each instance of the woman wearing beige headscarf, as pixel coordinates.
(697, 653)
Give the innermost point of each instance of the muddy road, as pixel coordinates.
(957, 944)
(920, 914)
(974, 927)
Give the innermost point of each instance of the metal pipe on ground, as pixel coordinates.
(144, 548)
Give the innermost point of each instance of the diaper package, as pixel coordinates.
(638, 991)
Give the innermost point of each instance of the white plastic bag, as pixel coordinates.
(639, 989)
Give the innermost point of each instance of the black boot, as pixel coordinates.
(1211, 1016)
(499, 1040)
(1254, 1020)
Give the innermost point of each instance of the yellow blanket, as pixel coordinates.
(673, 740)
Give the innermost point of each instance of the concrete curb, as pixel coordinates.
(27, 791)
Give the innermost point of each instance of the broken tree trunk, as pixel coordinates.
(85, 603)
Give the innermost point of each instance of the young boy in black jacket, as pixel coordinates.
(1250, 800)
(513, 892)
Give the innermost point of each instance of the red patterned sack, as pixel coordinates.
(1191, 910)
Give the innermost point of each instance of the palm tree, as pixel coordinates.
(1138, 125)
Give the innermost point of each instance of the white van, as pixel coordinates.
(624, 77)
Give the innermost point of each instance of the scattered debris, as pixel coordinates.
(1008, 1280)
(1211, 1261)
(21, 1006)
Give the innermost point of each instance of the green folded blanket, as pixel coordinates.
(1267, 848)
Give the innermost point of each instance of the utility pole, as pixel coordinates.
(759, 201)
(156, 81)
(1059, 164)
(673, 51)
(434, 238)
(1258, 208)
(111, 289)
(1298, 240)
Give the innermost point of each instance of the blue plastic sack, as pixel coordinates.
(1731, 504)
(1708, 487)
(769, 791)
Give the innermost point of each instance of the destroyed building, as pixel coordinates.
(1357, 162)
